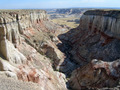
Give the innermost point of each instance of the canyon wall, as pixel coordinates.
(104, 21)
(31, 50)
(28, 50)
(97, 37)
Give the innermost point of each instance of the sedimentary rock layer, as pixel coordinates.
(96, 74)
(97, 37)
(28, 48)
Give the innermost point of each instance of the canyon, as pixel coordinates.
(37, 54)
(66, 17)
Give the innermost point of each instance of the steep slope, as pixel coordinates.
(28, 48)
(97, 37)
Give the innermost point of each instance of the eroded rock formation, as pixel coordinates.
(96, 74)
(97, 37)
(28, 48)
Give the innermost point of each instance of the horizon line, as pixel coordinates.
(64, 8)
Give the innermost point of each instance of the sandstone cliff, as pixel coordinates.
(28, 50)
(97, 37)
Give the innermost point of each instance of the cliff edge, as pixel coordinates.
(28, 50)
(95, 48)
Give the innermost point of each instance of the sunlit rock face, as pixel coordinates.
(28, 50)
(97, 37)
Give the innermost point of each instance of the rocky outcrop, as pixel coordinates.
(96, 74)
(104, 21)
(97, 37)
(28, 48)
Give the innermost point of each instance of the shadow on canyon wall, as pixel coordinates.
(82, 46)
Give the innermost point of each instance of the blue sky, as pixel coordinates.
(29, 4)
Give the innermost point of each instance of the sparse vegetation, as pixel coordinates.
(64, 21)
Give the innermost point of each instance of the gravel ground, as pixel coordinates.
(12, 84)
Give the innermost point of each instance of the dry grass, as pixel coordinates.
(63, 21)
